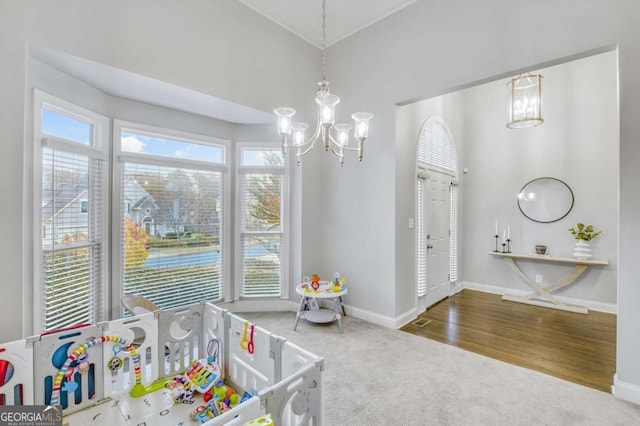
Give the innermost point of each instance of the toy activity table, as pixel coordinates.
(309, 308)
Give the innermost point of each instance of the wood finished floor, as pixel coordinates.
(574, 347)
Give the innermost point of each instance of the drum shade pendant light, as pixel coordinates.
(525, 93)
(334, 136)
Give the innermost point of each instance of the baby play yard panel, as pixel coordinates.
(155, 368)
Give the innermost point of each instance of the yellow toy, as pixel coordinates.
(339, 282)
(261, 421)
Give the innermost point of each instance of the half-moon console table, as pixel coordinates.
(545, 292)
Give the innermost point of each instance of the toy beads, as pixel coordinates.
(67, 371)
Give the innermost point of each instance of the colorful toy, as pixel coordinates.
(247, 342)
(181, 390)
(339, 282)
(202, 374)
(218, 400)
(265, 420)
(315, 281)
(80, 357)
(115, 363)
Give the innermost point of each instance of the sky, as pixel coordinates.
(64, 127)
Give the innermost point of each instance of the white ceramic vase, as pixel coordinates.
(582, 250)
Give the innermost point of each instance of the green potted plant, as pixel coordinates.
(583, 234)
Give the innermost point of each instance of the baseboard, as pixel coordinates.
(372, 317)
(609, 308)
(625, 391)
(239, 306)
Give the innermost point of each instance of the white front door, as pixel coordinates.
(437, 237)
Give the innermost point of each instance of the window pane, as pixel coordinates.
(69, 294)
(261, 265)
(172, 148)
(262, 157)
(436, 147)
(71, 238)
(421, 244)
(453, 235)
(65, 127)
(172, 234)
(261, 199)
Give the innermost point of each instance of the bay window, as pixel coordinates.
(147, 210)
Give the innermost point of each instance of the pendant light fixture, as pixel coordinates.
(525, 93)
(334, 136)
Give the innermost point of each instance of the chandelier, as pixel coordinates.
(526, 101)
(293, 133)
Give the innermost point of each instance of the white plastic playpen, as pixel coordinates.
(285, 379)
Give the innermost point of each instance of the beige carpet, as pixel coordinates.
(378, 376)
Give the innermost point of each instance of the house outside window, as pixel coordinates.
(70, 184)
(173, 244)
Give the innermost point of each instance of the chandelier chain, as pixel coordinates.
(334, 137)
(324, 36)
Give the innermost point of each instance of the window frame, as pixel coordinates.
(284, 170)
(121, 157)
(98, 150)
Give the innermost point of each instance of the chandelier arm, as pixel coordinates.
(309, 148)
(339, 145)
(336, 153)
(349, 148)
(313, 138)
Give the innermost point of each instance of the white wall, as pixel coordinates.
(578, 143)
(430, 48)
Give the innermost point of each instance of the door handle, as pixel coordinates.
(429, 246)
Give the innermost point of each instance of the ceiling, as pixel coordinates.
(129, 85)
(344, 17)
(301, 17)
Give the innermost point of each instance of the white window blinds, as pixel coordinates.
(435, 146)
(70, 233)
(421, 243)
(453, 234)
(172, 231)
(71, 238)
(261, 199)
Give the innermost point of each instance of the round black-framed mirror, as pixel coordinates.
(545, 200)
